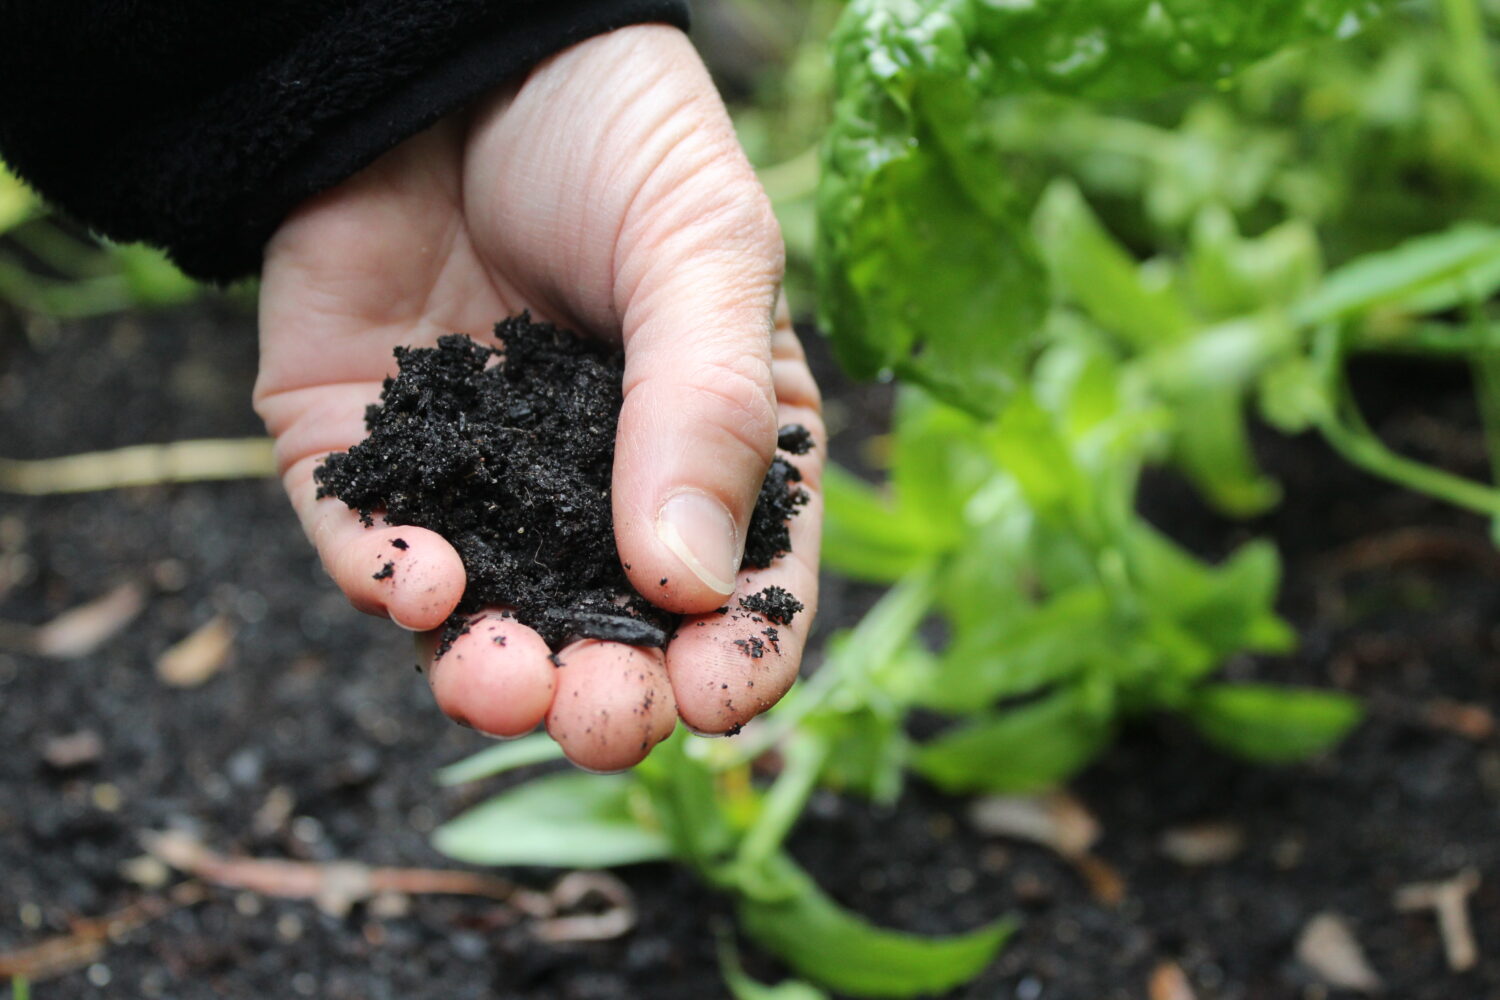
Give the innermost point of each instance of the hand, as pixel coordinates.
(606, 193)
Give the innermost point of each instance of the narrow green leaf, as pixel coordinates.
(1422, 274)
(686, 804)
(17, 203)
(1017, 655)
(1022, 749)
(537, 748)
(1272, 724)
(742, 987)
(865, 537)
(563, 821)
(837, 949)
(1102, 277)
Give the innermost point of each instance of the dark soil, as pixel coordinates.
(775, 604)
(318, 741)
(508, 452)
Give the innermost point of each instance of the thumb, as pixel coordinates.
(699, 267)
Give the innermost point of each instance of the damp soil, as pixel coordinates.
(508, 452)
(317, 741)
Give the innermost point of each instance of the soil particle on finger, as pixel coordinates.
(508, 453)
(399, 543)
(775, 604)
(753, 647)
(794, 438)
(386, 572)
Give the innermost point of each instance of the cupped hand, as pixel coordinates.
(605, 193)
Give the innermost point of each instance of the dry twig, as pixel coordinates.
(140, 465)
(86, 941)
(1449, 899)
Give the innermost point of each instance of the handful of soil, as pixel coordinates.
(507, 453)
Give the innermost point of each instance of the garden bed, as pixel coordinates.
(314, 740)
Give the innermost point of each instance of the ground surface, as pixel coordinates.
(317, 741)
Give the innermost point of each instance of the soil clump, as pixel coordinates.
(507, 453)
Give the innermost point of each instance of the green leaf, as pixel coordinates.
(834, 948)
(686, 804)
(1230, 275)
(1020, 653)
(865, 537)
(925, 265)
(742, 987)
(1423, 274)
(1027, 748)
(1212, 445)
(1228, 608)
(17, 203)
(537, 748)
(151, 278)
(1272, 724)
(563, 821)
(1102, 277)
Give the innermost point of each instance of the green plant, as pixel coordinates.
(48, 270)
(1082, 262)
(693, 801)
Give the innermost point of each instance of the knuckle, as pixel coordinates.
(740, 401)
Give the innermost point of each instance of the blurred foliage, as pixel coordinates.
(48, 268)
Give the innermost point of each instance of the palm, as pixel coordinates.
(475, 220)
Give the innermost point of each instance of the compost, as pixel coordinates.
(507, 452)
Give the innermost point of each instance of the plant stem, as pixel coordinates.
(1357, 443)
(1471, 62)
(880, 635)
(1431, 338)
(785, 801)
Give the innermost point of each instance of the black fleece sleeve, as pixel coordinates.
(197, 125)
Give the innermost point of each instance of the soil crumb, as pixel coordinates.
(386, 572)
(753, 647)
(794, 438)
(775, 604)
(507, 453)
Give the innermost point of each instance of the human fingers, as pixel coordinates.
(408, 574)
(612, 705)
(639, 217)
(699, 268)
(728, 667)
(496, 677)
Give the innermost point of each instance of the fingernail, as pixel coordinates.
(700, 532)
(409, 628)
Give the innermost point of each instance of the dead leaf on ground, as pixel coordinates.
(1104, 880)
(1331, 952)
(1449, 899)
(1198, 844)
(1056, 820)
(72, 750)
(81, 630)
(196, 658)
(1472, 722)
(87, 940)
(1169, 982)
